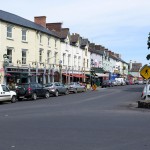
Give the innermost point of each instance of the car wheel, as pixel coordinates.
(75, 91)
(84, 90)
(67, 92)
(47, 95)
(13, 99)
(19, 99)
(34, 96)
(56, 93)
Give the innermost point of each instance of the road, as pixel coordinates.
(106, 119)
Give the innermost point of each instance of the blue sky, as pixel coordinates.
(122, 26)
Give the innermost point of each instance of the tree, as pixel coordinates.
(148, 43)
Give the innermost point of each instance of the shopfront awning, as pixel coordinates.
(66, 74)
(78, 75)
(102, 75)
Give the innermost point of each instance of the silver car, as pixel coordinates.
(76, 87)
(57, 88)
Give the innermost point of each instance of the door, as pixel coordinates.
(5, 94)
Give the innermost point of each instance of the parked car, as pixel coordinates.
(31, 90)
(57, 88)
(6, 94)
(115, 83)
(146, 91)
(121, 80)
(138, 82)
(76, 87)
(107, 83)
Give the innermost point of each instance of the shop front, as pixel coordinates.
(15, 75)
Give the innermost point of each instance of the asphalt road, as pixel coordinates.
(106, 119)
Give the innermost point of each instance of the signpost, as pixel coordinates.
(145, 73)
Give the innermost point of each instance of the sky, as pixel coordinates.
(121, 26)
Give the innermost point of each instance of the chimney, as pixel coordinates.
(41, 20)
(54, 26)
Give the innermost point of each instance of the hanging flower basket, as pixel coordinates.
(8, 75)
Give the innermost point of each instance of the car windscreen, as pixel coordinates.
(48, 85)
(23, 86)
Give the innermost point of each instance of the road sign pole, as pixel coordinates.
(146, 90)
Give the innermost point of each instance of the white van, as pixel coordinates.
(146, 90)
(121, 80)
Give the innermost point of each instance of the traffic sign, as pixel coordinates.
(145, 72)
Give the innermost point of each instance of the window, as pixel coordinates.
(5, 88)
(24, 56)
(55, 60)
(69, 56)
(75, 57)
(84, 62)
(40, 39)
(40, 55)
(9, 54)
(55, 43)
(24, 32)
(9, 31)
(64, 56)
(87, 63)
(79, 58)
(48, 56)
(86, 52)
(48, 42)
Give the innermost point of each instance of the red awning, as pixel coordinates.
(66, 74)
(79, 75)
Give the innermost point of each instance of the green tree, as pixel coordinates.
(148, 43)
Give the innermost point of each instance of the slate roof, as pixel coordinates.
(14, 19)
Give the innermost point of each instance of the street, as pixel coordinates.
(105, 119)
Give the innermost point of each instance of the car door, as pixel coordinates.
(6, 93)
(40, 90)
(63, 88)
(59, 88)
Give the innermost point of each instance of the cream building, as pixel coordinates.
(32, 51)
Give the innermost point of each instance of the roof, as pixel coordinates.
(14, 19)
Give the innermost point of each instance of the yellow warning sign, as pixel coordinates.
(145, 72)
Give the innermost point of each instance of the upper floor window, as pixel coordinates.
(69, 59)
(9, 31)
(79, 61)
(24, 56)
(40, 55)
(40, 38)
(75, 57)
(86, 52)
(84, 62)
(48, 56)
(48, 41)
(87, 63)
(55, 57)
(55, 43)
(64, 57)
(9, 54)
(24, 34)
